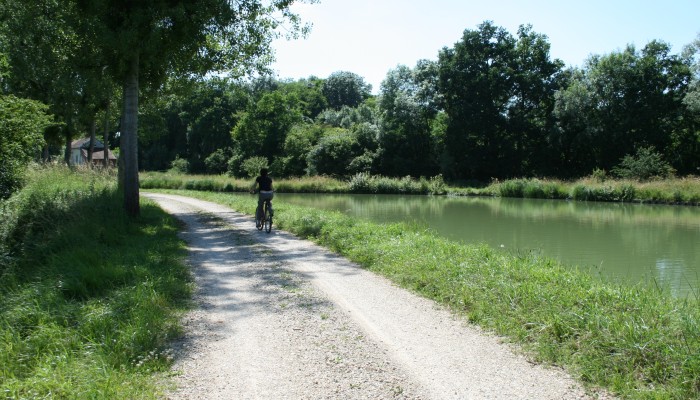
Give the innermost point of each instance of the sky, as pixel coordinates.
(371, 37)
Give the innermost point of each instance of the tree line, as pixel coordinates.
(493, 106)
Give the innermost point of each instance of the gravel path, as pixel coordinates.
(282, 318)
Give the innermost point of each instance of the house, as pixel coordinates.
(79, 153)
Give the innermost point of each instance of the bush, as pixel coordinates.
(217, 162)
(599, 175)
(437, 185)
(180, 165)
(22, 123)
(646, 164)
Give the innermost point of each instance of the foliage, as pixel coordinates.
(345, 88)
(252, 166)
(532, 188)
(22, 123)
(263, 129)
(644, 165)
(407, 144)
(670, 191)
(333, 153)
(494, 105)
(366, 183)
(83, 306)
(180, 165)
(217, 162)
(623, 101)
(599, 175)
(297, 144)
(498, 92)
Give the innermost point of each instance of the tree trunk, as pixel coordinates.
(129, 144)
(106, 135)
(91, 149)
(69, 139)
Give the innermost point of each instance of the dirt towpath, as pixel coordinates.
(282, 318)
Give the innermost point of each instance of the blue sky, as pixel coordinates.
(370, 37)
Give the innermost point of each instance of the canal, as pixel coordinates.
(623, 242)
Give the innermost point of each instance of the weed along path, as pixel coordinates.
(281, 318)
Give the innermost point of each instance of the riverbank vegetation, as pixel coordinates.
(89, 298)
(684, 191)
(636, 341)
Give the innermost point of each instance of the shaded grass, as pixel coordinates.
(89, 299)
(636, 341)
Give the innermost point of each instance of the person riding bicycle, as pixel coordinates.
(263, 185)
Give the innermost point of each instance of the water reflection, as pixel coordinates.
(621, 241)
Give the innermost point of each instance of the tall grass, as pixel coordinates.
(684, 191)
(360, 183)
(89, 299)
(636, 341)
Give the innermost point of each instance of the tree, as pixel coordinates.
(262, 130)
(405, 135)
(499, 94)
(298, 143)
(210, 112)
(475, 80)
(309, 97)
(48, 62)
(344, 88)
(624, 101)
(22, 123)
(685, 149)
(571, 142)
(536, 79)
(145, 40)
(333, 153)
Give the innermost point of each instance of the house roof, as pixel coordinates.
(84, 143)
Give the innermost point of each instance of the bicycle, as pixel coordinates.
(264, 219)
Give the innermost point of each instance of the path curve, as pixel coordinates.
(282, 318)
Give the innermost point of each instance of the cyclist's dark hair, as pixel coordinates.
(263, 171)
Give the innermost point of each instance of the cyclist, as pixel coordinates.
(263, 185)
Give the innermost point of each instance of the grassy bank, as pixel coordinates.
(685, 191)
(89, 299)
(635, 341)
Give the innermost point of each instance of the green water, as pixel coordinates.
(631, 242)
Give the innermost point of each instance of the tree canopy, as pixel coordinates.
(193, 79)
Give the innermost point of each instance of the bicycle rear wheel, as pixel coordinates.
(267, 221)
(259, 220)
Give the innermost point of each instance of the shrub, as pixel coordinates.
(22, 123)
(512, 188)
(180, 165)
(599, 175)
(217, 162)
(437, 185)
(361, 183)
(644, 165)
